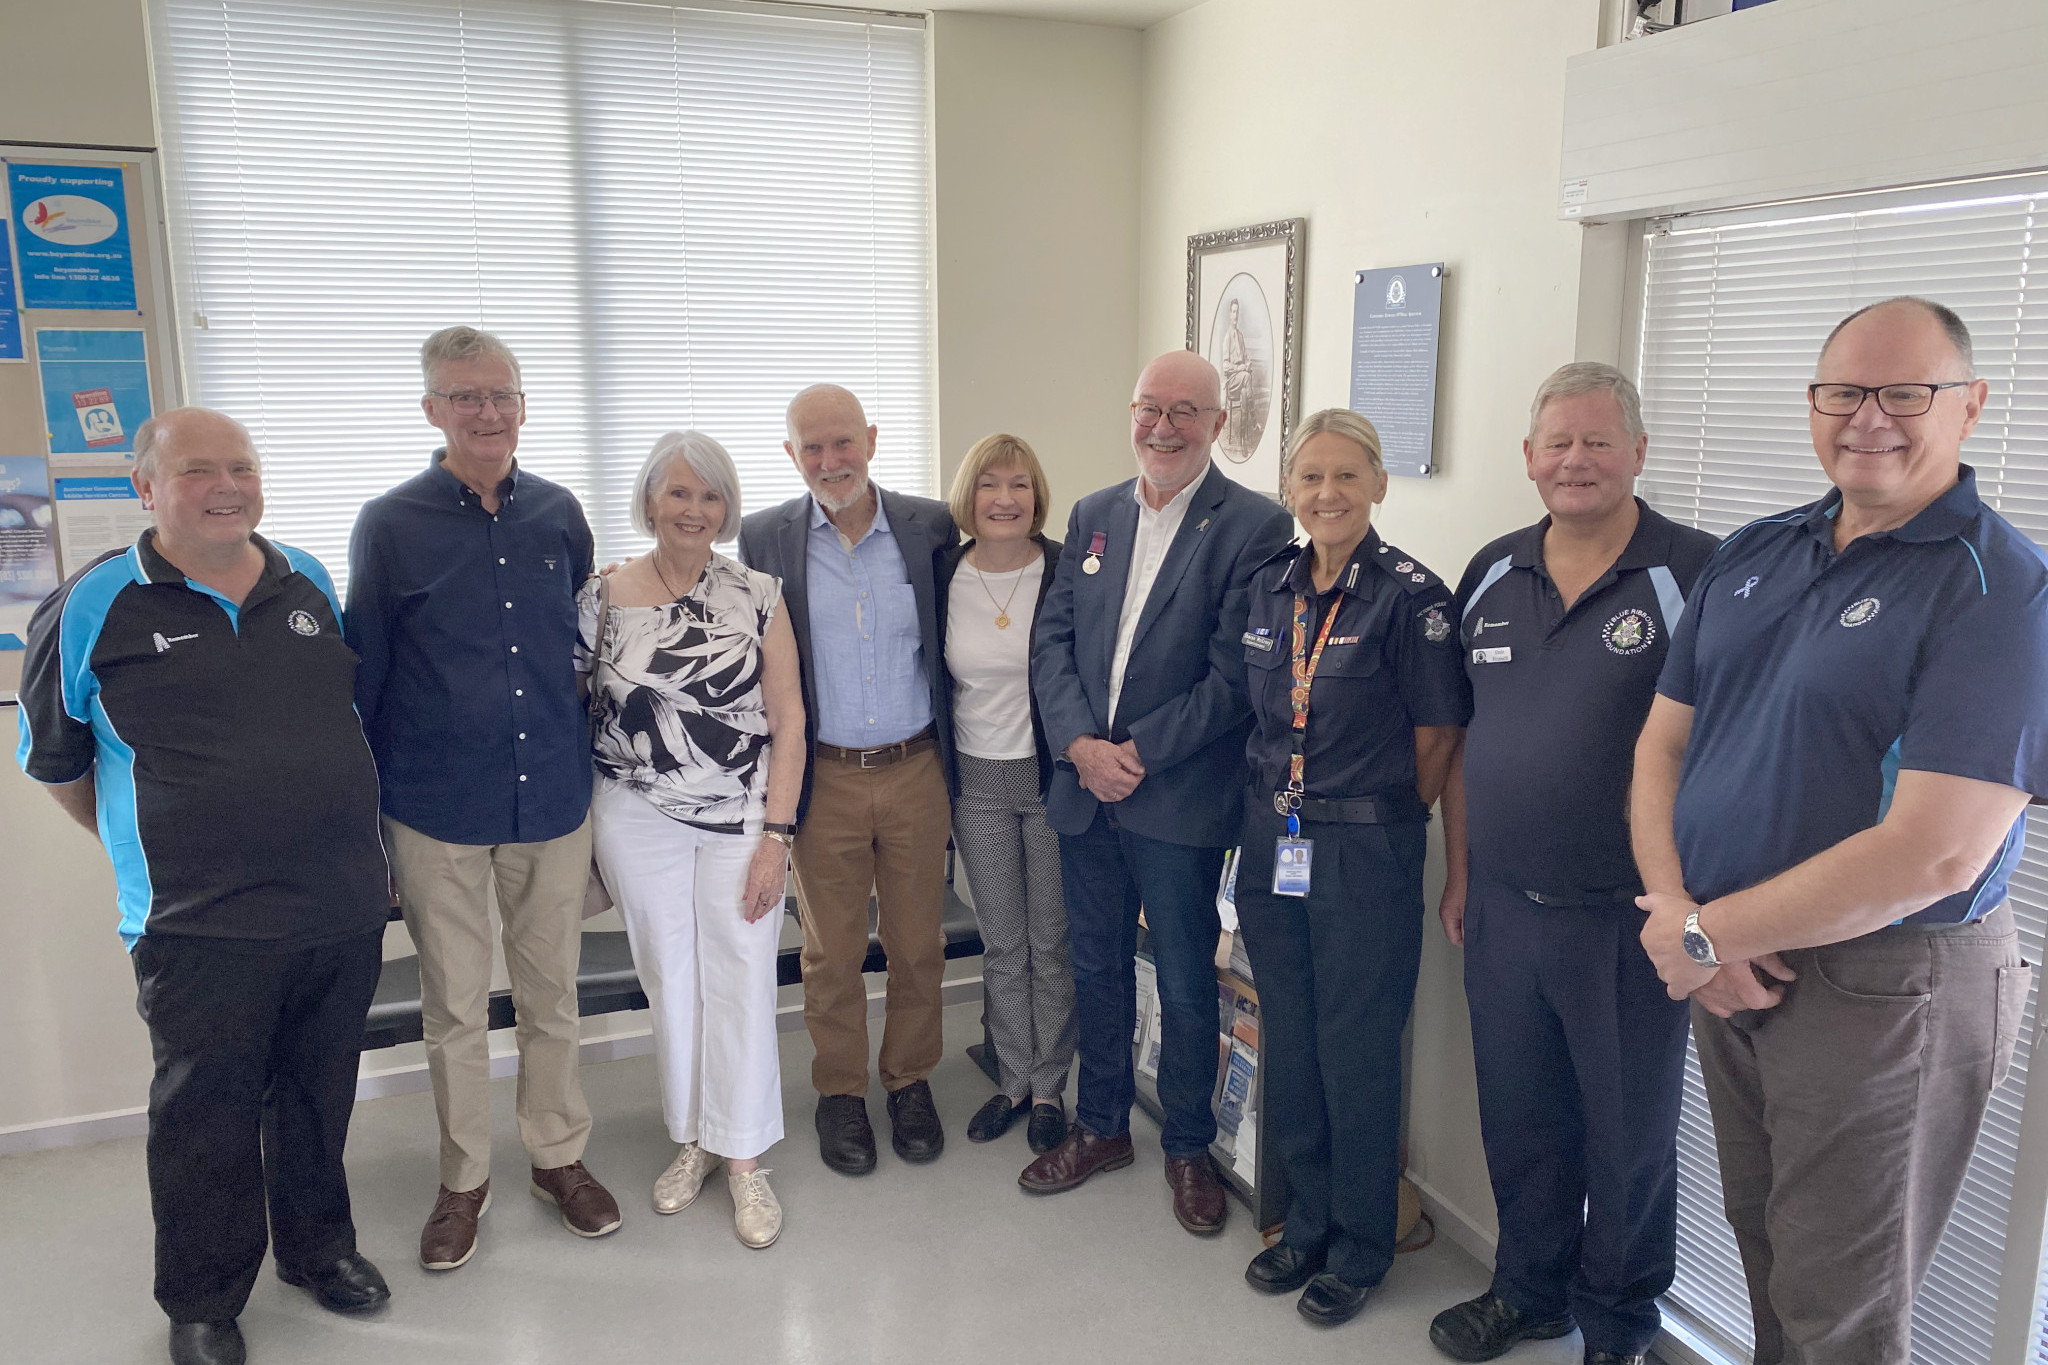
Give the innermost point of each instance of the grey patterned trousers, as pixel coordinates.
(1013, 865)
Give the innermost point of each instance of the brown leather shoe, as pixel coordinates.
(449, 1237)
(588, 1209)
(1198, 1200)
(1074, 1160)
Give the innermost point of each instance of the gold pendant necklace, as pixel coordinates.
(1002, 608)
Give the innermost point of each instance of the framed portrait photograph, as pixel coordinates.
(1244, 317)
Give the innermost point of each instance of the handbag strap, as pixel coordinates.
(597, 643)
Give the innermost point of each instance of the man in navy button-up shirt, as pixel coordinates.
(462, 604)
(1829, 798)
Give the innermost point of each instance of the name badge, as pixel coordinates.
(1499, 655)
(1258, 641)
(1291, 861)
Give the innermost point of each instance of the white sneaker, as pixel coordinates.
(756, 1212)
(678, 1185)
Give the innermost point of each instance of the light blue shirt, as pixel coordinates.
(867, 652)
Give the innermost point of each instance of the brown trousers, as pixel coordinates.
(1845, 1120)
(882, 829)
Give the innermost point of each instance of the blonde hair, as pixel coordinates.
(999, 451)
(1338, 422)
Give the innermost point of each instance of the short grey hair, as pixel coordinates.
(155, 433)
(463, 343)
(1590, 376)
(1952, 326)
(713, 465)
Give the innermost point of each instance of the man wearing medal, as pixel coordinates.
(1358, 700)
(1136, 672)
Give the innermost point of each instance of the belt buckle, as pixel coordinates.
(866, 754)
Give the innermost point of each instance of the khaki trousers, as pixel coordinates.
(443, 890)
(885, 829)
(1845, 1119)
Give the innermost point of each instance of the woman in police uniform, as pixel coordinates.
(1352, 658)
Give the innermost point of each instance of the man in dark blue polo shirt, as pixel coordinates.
(1830, 795)
(190, 701)
(462, 603)
(1580, 1053)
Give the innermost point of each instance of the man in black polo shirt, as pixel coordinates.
(191, 701)
(1830, 797)
(1580, 1054)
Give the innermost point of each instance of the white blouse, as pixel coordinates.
(991, 665)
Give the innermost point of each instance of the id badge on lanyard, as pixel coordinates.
(1294, 856)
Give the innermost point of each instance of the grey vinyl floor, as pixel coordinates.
(939, 1263)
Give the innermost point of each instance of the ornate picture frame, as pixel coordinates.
(1245, 289)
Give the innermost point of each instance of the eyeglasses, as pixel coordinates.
(1183, 416)
(1893, 400)
(470, 404)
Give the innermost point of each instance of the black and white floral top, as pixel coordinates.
(680, 716)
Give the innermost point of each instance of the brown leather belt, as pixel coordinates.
(886, 755)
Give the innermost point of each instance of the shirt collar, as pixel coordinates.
(1177, 503)
(879, 526)
(1948, 516)
(157, 569)
(1648, 544)
(1355, 580)
(508, 487)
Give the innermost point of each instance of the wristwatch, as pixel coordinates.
(1698, 946)
(781, 834)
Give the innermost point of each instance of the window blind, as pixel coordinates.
(1735, 308)
(676, 216)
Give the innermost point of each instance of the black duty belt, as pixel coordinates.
(1354, 810)
(1614, 897)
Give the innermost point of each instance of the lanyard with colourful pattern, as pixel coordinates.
(1305, 663)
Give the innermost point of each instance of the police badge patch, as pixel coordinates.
(303, 623)
(1629, 632)
(1436, 627)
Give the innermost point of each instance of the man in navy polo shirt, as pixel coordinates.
(1580, 1053)
(1830, 795)
(190, 701)
(462, 602)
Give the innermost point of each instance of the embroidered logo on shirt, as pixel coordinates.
(1861, 612)
(1436, 627)
(548, 560)
(302, 622)
(1743, 591)
(1486, 625)
(1629, 632)
(163, 646)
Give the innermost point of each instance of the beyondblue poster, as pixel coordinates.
(10, 303)
(95, 388)
(28, 552)
(71, 225)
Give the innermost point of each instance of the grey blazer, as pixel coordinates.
(777, 541)
(1184, 698)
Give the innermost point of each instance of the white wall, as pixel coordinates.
(1403, 133)
(1035, 150)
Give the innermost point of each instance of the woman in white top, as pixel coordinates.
(698, 738)
(990, 590)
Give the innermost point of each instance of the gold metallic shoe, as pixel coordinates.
(756, 1212)
(677, 1186)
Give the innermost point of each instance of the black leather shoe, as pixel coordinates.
(207, 1343)
(1328, 1300)
(846, 1142)
(914, 1129)
(350, 1285)
(1282, 1269)
(993, 1119)
(1048, 1127)
(1482, 1328)
(1610, 1358)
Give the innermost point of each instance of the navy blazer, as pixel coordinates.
(777, 541)
(949, 565)
(1184, 698)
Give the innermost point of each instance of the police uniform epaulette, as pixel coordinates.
(1404, 570)
(1286, 554)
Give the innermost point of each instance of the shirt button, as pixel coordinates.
(501, 560)
(871, 720)
(508, 605)
(522, 777)
(518, 691)
(522, 734)
(515, 649)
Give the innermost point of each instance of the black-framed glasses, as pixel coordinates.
(1893, 400)
(470, 404)
(1183, 416)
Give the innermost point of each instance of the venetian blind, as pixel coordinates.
(676, 216)
(1735, 308)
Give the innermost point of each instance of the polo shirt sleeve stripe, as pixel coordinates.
(1495, 572)
(57, 684)
(120, 829)
(313, 569)
(1670, 601)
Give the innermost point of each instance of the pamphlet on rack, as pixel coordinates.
(1237, 1094)
(95, 515)
(28, 554)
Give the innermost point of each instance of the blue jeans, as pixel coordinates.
(1108, 874)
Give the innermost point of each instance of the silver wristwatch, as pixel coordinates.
(1698, 946)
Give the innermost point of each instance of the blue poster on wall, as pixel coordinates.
(28, 552)
(71, 225)
(10, 303)
(95, 388)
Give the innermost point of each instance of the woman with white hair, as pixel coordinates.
(697, 731)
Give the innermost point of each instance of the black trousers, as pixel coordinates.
(1581, 1062)
(255, 1078)
(1335, 972)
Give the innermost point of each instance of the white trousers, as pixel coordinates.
(709, 975)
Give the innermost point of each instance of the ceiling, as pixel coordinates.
(1121, 13)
